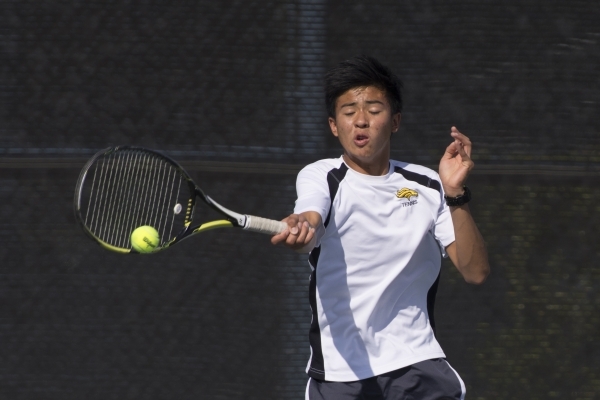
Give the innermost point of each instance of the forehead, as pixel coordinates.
(362, 94)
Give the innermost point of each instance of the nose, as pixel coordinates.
(361, 120)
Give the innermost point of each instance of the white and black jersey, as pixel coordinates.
(375, 267)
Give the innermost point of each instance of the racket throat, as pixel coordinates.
(239, 220)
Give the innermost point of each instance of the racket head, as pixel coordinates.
(125, 187)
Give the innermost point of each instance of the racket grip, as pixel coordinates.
(264, 225)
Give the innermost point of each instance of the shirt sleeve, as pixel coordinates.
(444, 228)
(312, 191)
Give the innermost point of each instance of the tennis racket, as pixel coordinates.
(125, 187)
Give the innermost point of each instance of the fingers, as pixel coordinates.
(292, 222)
(462, 146)
(463, 143)
(304, 234)
(281, 237)
(298, 235)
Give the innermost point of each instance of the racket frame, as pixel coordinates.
(232, 219)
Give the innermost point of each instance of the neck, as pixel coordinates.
(378, 168)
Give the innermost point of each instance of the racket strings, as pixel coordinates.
(116, 191)
(169, 196)
(161, 179)
(137, 196)
(128, 181)
(132, 188)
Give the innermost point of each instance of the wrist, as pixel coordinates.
(458, 200)
(454, 192)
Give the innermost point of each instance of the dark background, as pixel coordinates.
(233, 89)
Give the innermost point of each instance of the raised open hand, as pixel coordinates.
(456, 164)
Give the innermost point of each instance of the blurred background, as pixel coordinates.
(233, 90)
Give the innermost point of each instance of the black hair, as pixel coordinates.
(362, 71)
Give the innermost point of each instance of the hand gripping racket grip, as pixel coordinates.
(251, 222)
(264, 225)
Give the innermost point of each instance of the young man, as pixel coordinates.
(376, 230)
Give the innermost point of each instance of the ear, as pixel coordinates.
(396, 122)
(333, 126)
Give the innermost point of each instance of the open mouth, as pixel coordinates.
(361, 140)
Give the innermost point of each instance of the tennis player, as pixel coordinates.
(376, 230)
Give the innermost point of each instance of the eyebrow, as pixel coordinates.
(367, 101)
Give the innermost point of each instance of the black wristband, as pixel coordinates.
(460, 199)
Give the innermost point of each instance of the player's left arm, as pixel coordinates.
(468, 251)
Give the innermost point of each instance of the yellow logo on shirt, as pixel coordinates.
(406, 193)
(409, 197)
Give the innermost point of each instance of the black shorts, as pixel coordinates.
(426, 380)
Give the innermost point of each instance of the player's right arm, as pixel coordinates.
(305, 225)
(301, 233)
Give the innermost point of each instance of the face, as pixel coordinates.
(364, 123)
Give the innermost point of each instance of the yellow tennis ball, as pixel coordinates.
(145, 239)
